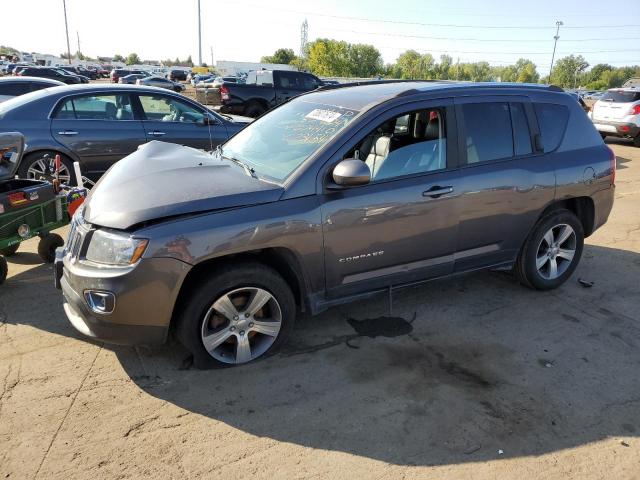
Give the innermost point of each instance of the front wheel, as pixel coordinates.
(42, 166)
(238, 314)
(551, 252)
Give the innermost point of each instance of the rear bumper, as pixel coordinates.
(618, 129)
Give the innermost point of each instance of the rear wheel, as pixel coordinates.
(47, 246)
(42, 166)
(8, 251)
(237, 315)
(551, 252)
(636, 140)
(254, 109)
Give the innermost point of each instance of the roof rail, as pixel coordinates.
(377, 82)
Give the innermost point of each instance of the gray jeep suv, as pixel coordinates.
(337, 194)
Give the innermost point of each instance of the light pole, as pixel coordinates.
(199, 37)
(575, 76)
(555, 38)
(211, 58)
(66, 27)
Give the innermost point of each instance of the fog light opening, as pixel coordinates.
(100, 302)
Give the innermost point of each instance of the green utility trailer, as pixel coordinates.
(27, 207)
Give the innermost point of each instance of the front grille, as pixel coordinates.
(77, 236)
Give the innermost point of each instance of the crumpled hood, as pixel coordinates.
(164, 179)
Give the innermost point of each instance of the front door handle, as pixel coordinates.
(437, 191)
(67, 132)
(156, 133)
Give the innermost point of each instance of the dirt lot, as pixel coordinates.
(490, 380)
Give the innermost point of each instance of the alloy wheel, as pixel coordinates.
(241, 325)
(44, 169)
(556, 251)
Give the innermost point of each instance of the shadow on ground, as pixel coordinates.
(486, 365)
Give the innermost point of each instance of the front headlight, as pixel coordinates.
(115, 248)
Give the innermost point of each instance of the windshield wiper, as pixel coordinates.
(250, 170)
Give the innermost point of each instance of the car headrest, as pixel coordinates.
(420, 124)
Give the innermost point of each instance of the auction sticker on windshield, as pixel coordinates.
(323, 115)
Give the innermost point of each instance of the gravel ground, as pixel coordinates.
(474, 377)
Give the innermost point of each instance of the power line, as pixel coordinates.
(448, 25)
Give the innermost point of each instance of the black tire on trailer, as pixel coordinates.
(47, 246)
(11, 250)
(3, 270)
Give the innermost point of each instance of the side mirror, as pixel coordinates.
(351, 173)
(208, 119)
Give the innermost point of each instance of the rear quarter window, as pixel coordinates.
(552, 120)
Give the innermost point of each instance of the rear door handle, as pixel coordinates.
(156, 133)
(67, 132)
(437, 191)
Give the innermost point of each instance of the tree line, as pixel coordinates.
(334, 58)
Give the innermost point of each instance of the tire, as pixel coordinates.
(254, 110)
(603, 135)
(7, 252)
(3, 270)
(238, 284)
(636, 140)
(47, 247)
(536, 252)
(43, 167)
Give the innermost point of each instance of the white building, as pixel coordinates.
(229, 68)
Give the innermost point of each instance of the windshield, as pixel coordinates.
(276, 144)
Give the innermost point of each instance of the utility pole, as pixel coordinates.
(66, 27)
(304, 36)
(211, 57)
(79, 51)
(555, 38)
(199, 36)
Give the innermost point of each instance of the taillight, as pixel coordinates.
(635, 110)
(224, 92)
(17, 198)
(612, 157)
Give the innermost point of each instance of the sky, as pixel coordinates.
(244, 30)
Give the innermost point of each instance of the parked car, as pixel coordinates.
(176, 75)
(9, 67)
(15, 86)
(53, 73)
(78, 70)
(132, 78)
(92, 124)
(617, 113)
(116, 73)
(195, 78)
(215, 82)
(264, 89)
(161, 83)
(335, 195)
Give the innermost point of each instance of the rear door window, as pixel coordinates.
(521, 133)
(488, 131)
(552, 120)
(96, 107)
